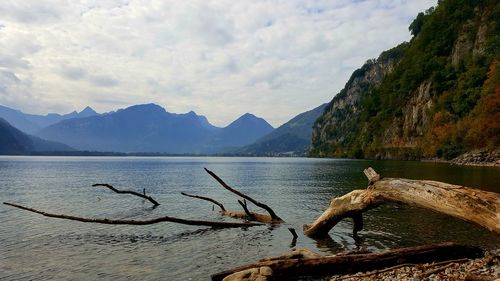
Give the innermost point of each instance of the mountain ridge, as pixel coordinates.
(31, 123)
(15, 142)
(292, 138)
(150, 128)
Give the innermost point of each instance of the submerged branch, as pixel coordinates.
(155, 203)
(235, 214)
(245, 209)
(271, 212)
(206, 199)
(140, 222)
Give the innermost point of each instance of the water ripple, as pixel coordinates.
(33, 247)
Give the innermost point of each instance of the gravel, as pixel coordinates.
(487, 268)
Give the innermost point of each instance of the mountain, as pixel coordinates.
(292, 138)
(243, 131)
(15, 142)
(435, 96)
(31, 123)
(18, 119)
(149, 128)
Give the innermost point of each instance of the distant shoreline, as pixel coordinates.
(474, 158)
(144, 154)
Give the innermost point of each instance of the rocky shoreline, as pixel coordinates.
(486, 268)
(488, 158)
(478, 158)
(482, 269)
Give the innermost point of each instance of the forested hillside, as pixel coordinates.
(292, 138)
(435, 96)
(16, 142)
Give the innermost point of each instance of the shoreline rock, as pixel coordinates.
(486, 268)
(478, 158)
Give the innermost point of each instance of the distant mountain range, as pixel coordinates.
(15, 142)
(291, 138)
(149, 128)
(31, 123)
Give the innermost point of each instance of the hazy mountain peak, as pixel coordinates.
(248, 115)
(88, 111)
(291, 138)
(249, 118)
(147, 107)
(55, 114)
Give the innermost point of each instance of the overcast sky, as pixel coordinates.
(274, 58)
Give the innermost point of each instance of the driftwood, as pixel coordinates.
(243, 205)
(217, 224)
(308, 264)
(206, 199)
(296, 254)
(294, 235)
(272, 217)
(472, 205)
(143, 195)
(246, 215)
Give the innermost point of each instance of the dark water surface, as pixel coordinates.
(38, 248)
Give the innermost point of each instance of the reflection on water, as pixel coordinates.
(35, 247)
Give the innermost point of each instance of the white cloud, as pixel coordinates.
(274, 58)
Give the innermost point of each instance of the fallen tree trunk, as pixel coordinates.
(149, 198)
(472, 205)
(217, 224)
(308, 265)
(272, 215)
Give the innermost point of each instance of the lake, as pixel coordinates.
(37, 248)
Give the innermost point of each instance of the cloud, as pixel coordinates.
(73, 73)
(274, 58)
(80, 74)
(31, 11)
(103, 81)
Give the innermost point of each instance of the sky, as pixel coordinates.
(221, 59)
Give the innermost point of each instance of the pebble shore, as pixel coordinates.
(478, 158)
(483, 269)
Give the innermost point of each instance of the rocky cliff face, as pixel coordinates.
(405, 129)
(421, 98)
(343, 111)
(471, 40)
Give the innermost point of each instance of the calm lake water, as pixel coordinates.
(38, 248)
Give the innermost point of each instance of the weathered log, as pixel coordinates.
(217, 224)
(265, 218)
(291, 266)
(271, 212)
(143, 195)
(472, 205)
(296, 254)
(371, 175)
